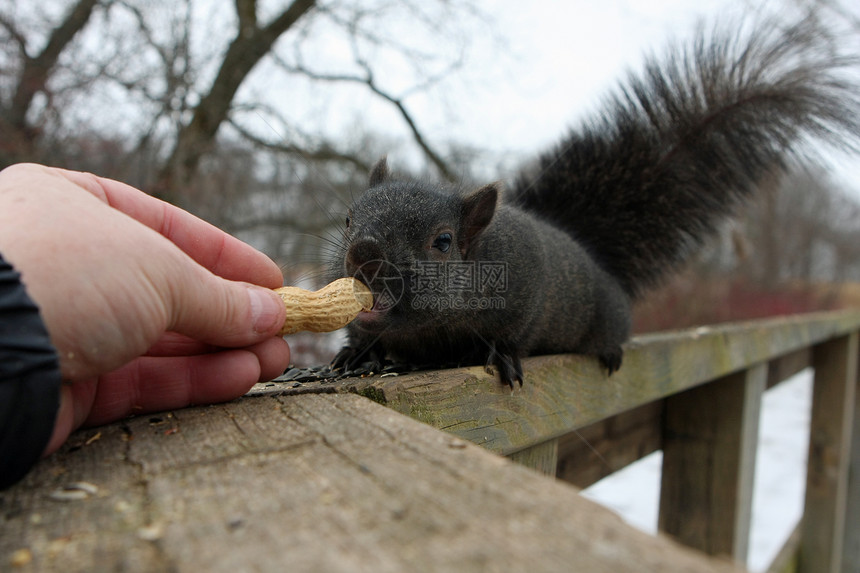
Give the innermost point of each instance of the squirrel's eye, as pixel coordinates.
(443, 242)
(347, 220)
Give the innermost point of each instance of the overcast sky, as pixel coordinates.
(530, 70)
(565, 55)
(558, 59)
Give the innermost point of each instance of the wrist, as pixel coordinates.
(30, 380)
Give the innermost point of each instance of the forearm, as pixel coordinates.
(29, 379)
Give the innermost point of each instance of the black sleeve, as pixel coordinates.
(29, 380)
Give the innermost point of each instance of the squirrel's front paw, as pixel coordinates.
(350, 358)
(343, 358)
(611, 360)
(507, 364)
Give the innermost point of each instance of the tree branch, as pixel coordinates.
(244, 52)
(246, 10)
(324, 152)
(37, 70)
(16, 34)
(368, 80)
(144, 28)
(174, 59)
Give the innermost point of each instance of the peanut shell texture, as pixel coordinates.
(331, 307)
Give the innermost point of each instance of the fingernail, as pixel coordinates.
(266, 310)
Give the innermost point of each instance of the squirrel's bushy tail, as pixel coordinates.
(679, 145)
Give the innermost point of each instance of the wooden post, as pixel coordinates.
(709, 444)
(833, 397)
(851, 543)
(542, 457)
(851, 547)
(587, 455)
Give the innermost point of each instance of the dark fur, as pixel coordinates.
(615, 207)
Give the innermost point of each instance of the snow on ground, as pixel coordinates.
(780, 476)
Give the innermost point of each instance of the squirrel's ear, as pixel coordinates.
(479, 206)
(379, 172)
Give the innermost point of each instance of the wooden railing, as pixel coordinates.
(694, 394)
(319, 478)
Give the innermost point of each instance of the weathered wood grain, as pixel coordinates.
(709, 443)
(542, 457)
(851, 543)
(589, 454)
(831, 426)
(788, 365)
(566, 392)
(333, 482)
(309, 483)
(785, 560)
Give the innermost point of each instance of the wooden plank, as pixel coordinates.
(783, 367)
(309, 483)
(833, 397)
(589, 454)
(566, 392)
(785, 560)
(709, 444)
(542, 457)
(851, 548)
(755, 384)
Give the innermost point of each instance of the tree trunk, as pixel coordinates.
(20, 136)
(251, 44)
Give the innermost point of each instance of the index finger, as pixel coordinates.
(221, 253)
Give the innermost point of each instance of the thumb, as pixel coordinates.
(226, 313)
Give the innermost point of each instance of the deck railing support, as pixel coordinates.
(831, 426)
(709, 444)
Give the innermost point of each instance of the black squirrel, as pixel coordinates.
(554, 264)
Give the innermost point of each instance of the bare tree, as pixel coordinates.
(367, 78)
(252, 42)
(34, 69)
(364, 29)
(802, 228)
(179, 96)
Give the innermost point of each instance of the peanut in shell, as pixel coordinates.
(331, 307)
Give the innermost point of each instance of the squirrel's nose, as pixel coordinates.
(364, 257)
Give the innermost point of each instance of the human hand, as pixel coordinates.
(149, 307)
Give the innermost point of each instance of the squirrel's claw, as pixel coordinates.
(343, 358)
(510, 369)
(611, 360)
(350, 358)
(507, 364)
